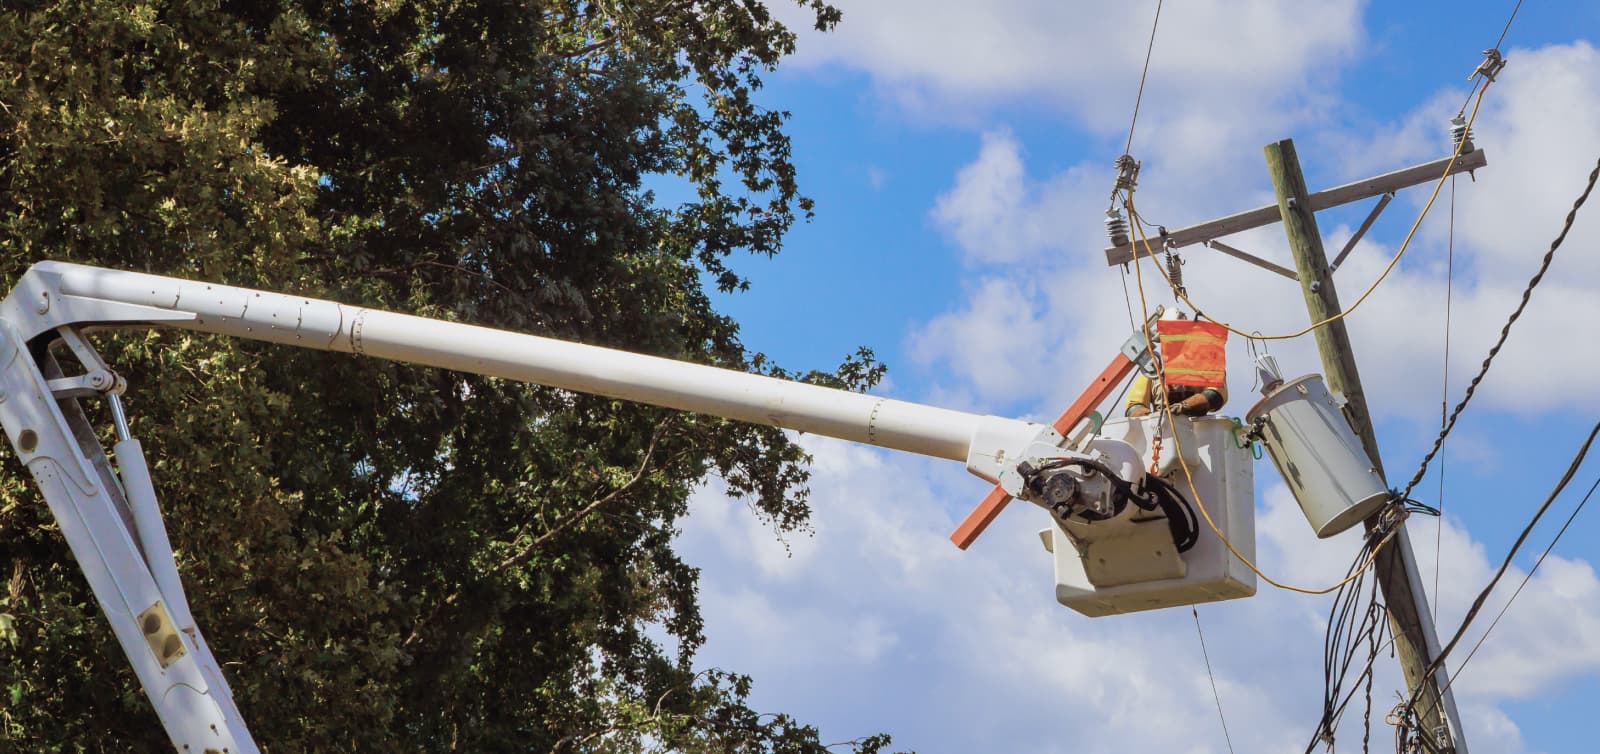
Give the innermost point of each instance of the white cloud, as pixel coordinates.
(1539, 131)
(979, 651)
(879, 621)
(1022, 227)
(877, 178)
(996, 215)
(1551, 634)
(1211, 58)
(1042, 319)
(993, 343)
(885, 625)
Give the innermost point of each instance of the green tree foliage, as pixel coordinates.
(390, 558)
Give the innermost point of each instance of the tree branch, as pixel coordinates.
(584, 512)
(392, 271)
(529, 550)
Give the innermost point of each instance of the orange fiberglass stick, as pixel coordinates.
(1124, 363)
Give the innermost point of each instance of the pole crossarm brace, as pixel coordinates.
(1366, 225)
(1321, 200)
(1240, 254)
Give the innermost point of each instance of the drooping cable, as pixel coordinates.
(1199, 503)
(1366, 713)
(1393, 262)
(1351, 620)
(1444, 386)
(1505, 331)
(1575, 511)
(1214, 695)
(1483, 596)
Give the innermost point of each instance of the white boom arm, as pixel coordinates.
(110, 516)
(52, 295)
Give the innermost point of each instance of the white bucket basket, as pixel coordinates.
(1319, 456)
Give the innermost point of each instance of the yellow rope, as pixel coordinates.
(1161, 376)
(1138, 224)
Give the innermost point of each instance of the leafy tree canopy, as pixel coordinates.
(390, 558)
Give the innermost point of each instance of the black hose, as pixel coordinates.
(1157, 494)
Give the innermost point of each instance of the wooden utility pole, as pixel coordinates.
(1415, 641)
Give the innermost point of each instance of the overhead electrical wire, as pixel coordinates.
(1408, 707)
(1438, 186)
(1484, 76)
(1349, 623)
(1214, 695)
(1505, 331)
(1495, 50)
(1483, 596)
(1372, 624)
(1139, 99)
(1444, 385)
(1128, 301)
(1525, 579)
(1366, 713)
(1161, 377)
(1507, 28)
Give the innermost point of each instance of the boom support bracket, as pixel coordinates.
(109, 518)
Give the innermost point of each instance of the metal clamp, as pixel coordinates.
(97, 379)
(1493, 61)
(1127, 173)
(1137, 346)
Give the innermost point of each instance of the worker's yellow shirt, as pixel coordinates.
(1139, 393)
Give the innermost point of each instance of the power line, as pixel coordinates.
(1366, 713)
(1128, 146)
(1477, 604)
(1350, 621)
(1438, 661)
(1524, 583)
(1214, 695)
(1481, 75)
(1505, 331)
(1513, 17)
(1138, 100)
(1126, 299)
(1444, 386)
(1160, 381)
(1438, 186)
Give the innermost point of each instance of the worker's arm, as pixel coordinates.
(1204, 402)
(1138, 403)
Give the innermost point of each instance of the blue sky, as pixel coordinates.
(960, 156)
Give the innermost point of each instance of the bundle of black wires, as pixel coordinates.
(1356, 618)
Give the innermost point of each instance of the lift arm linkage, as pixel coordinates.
(108, 511)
